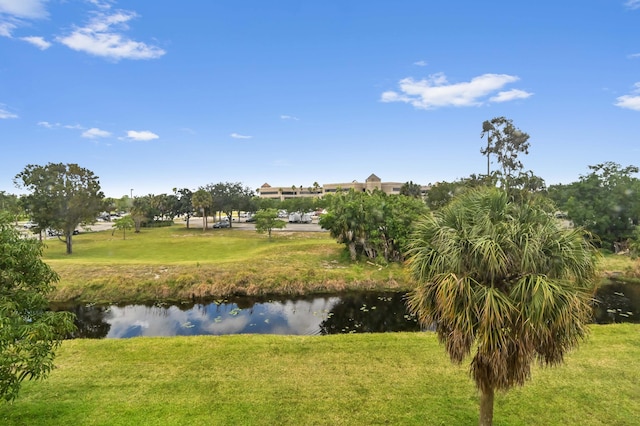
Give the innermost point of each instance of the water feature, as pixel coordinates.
(329, 314)
(617, 302)
(347, 313)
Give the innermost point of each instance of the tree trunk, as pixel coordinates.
(352, 251)
(486, 408)
(68, 241)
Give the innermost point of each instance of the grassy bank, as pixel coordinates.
(176, 263)
(403, 379)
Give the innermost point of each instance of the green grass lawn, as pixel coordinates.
(176, 263)
(365, 379)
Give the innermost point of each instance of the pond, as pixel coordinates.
(321, 315)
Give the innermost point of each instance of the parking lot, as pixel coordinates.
(193, 223)
(301, 227)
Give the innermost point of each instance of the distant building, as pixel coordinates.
(372, 182)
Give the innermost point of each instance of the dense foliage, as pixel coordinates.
(606, 202)
(29, 333)
(228, 197)
(372, 224)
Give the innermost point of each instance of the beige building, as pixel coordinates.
(372, 182)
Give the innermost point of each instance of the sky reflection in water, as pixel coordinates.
(289, 317)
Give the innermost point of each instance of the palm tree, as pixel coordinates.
(501, 278)
(201, 200)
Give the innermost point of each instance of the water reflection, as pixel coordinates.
(272, 317)
(350, 313)
(617, 302)
(369, 312)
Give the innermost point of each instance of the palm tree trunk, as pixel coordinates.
(486, 408)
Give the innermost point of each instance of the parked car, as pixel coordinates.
(221, 224)
(300, 218)
(30, 225)
(251, 219)
(56, 233)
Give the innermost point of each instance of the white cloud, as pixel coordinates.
(104, 5)
(13, 13)
(6, 28)
(5, 114)
(289, 117)
(634, 55)
(94, 133)
(49, 125)
(28, 9)
(103, 37)
(631, 101)
(239, 136)
(633, 4)
(510, 95)
(435, 91)
(143, 135)
(421, 63)
(39, 42)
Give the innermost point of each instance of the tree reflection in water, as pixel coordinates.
(369, 313)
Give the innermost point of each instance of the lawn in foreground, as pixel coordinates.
(394, 378)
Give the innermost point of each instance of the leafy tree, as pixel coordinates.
(184, 206)
(110, 204)
(371, 223)
(411, 189)
(505, 141)
(10, 204)
(267, 220)
(141, 211)
(605, 201)
(165, 206)
(62, 197)
(501, 278)
(442, 192)
(399, 214)
(228, 197)
(122, 224)
(202, 200)
(124, 204)
(258, 203)
(347, 219)
(29, 332)
(299, 204)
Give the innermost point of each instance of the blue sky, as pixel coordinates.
(156, 95)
